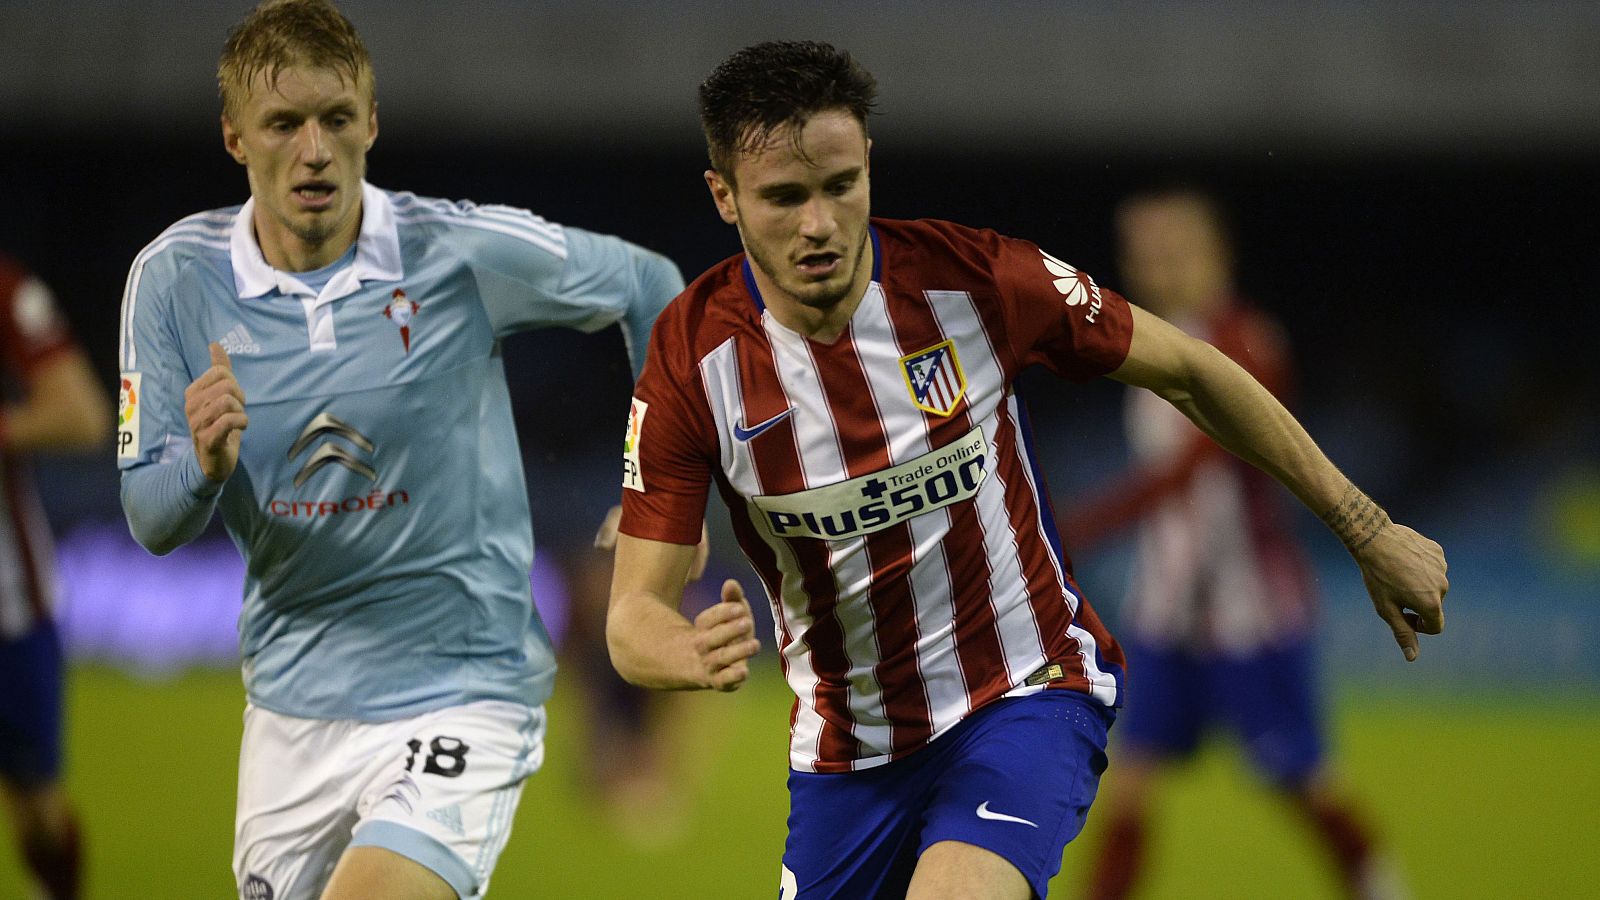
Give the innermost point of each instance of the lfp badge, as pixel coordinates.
(632, 478)
(128, 416)
(934, 378)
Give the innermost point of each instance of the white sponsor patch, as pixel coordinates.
(631, 476)
(860, 506)
(129, 397)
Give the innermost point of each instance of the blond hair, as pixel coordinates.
(283, 33)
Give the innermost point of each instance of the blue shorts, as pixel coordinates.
(1016, 778)
(1268, 700)
(30, 707)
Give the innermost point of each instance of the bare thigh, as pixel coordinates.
(950, 870)
(366, 872)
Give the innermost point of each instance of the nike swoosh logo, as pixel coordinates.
(744, 434)
(985, 813)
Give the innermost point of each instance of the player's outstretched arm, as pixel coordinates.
(1404, 571)
(214, 406)
(652, 644)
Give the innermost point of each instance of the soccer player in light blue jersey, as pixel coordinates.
(322, 364)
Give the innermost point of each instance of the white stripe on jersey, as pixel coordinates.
(23, 525)
(822, 463)
(719, 373)
(207, 229)
(1104, 685)
(944, 686)
(506, 220)
(960, 321)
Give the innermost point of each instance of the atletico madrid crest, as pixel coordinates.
(935, 379)
(400, 311)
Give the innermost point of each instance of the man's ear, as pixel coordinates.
(230, 140)
(722, 196)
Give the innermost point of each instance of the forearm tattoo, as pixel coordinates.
(1356, 519)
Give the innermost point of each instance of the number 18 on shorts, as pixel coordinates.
(440, 788)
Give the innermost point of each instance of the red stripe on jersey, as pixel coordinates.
(979, 653)
(1043, 573)
(865, 449)
(763, 391)
(12, 477)
(1045, 591)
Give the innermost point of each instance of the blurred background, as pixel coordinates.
(1414, 189)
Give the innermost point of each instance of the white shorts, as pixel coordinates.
(440, 788)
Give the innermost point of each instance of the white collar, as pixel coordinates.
(377, 249)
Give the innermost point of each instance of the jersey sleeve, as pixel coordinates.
(31, 325)
(536, 274)
(165, 496)
(1057, 316)
(669, 450)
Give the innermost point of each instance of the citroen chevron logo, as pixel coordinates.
(330, 453)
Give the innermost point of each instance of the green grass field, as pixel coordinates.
(1481, 797)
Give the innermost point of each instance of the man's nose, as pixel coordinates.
(816, 220)
(314, 147)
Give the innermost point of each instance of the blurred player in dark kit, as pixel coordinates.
(1219, 615)
(52, 402)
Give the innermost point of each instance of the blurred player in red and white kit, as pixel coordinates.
(52, 402)
(1219, 613)
(846, 383)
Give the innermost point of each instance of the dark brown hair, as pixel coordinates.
(766, 86)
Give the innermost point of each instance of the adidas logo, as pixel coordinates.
(449, 817)
(238, 342)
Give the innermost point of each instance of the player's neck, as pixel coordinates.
(288, 252)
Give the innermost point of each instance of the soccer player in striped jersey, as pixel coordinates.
(52, 403)
(847, 385)
(1219, 616)
(322, 366)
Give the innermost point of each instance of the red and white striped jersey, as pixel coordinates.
(1217, 567)
(884, 486)
(31, 330)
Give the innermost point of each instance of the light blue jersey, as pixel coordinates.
(379, 500)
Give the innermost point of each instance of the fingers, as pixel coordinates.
(219, 357)
(222, 428)
(216, 418)
(733, 592)
(1428, 620)
(731, 678)
(606, 537)
(1404, 634)
(726, 638)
